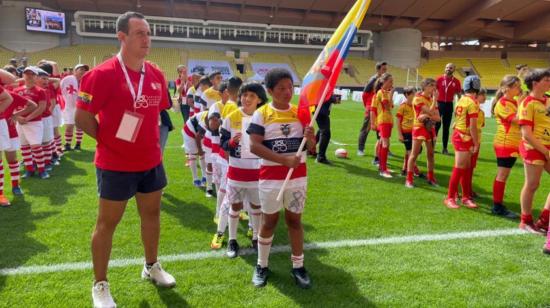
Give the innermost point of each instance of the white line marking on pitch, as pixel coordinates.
(79, 266)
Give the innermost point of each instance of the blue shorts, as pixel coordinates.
(121, 186)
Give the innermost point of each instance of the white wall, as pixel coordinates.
(12, 29)
(398, 47)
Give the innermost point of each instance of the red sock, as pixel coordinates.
(544, 216)
(14, 173)
(383, 159)
(457, 174)
(410, 176)
(431, 176)
(527, 219)
(466, 183)
(498, 191)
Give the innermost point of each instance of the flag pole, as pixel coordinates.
(314, 117)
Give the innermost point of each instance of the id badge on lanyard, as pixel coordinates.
(131, 121)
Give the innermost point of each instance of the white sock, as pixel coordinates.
(233, 223)
(264, 246)
(202, 163)
(297, 261)
(223, 215)
(219, 200)
(193, 165)
(255, 219)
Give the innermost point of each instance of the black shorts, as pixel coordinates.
(121, 186)
(408, 141)
(506, 162)
(377, 135)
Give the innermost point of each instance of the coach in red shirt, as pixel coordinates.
(447, 87)
(118, 105)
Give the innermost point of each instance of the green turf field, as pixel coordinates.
(52, 225)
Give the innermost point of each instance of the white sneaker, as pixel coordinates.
(386, 174)
(157, 275)
(102, 295)
(360, 153)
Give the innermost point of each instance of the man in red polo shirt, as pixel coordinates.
(126, 94)
(447, 87)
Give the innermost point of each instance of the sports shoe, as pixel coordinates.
(376, 161)
(209, 193)
(4, 202)
(77, 147)
(250, 232)
(445, 152)
(450, 203)
(27, 174)
(203, 182)
(541, 225)
(420, 175)
(243, 216)
(157, 275)
(546, 249)
(433, 183)
(403, 172)
(233, 249)
(323, 160)
(301, 277)
(56, 162)
(101, 295)
(67, 148)
(217, 241)
(259, 277)
(360, 153)
(501, 210)
(17, 191)
(469, 203)
(197, 183)
(409, 184)
(530, 228)
(44, 175)
(386, 174)
(48, 168)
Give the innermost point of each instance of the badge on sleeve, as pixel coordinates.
(129, 126)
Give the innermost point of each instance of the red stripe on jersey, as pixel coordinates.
(215, 147)
(243, 175)
(188, 132)
(207, 142)
(279, 172)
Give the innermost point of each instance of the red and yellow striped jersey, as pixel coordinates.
(466, 109)
(508, 135)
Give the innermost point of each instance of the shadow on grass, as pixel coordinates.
(58, 182)
(331, 286)
(191, 214)
(16, 223)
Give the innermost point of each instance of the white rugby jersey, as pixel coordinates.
(222, 110)
(283, 133)
(244, 170)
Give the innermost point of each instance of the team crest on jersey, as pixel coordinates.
(85, 97)
(155, 85)
(285, 129)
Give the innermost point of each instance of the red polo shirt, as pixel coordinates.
(447, 88)
(104, 92)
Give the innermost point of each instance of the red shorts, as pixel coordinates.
(385, 130)
(421, 133)
(506, 152)
(459, 142)
(532, 156)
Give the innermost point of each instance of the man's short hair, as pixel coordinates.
(379, 65)
(122, 22)
(205, 81)
(535, 76)
(214, 74)
(275, 75)
(233, 84)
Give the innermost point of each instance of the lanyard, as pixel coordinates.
(447, 85)
(129, 82)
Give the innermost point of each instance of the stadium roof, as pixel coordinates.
(510, 20)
